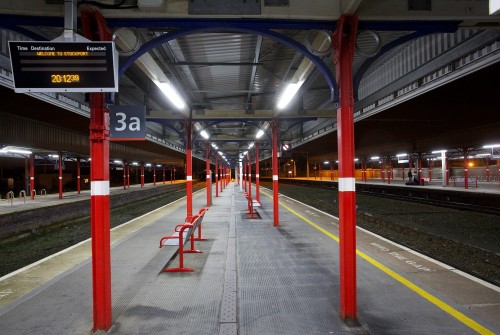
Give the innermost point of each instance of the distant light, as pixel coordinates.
(326, 162)
(246, 152)
(135, 163)
(356, 159)
(220, 153)
(250, 146)
(438, 151)
(374, 158)
(288, 94)
(213, 145)
(494, 7)
(148, 164)
(401, 155)
(20, 151)
(471, 164)
(204, 134)
(259, 133)
(491, 146)
(117, 162)
(172, 95)
(158, 165)
(54, 156)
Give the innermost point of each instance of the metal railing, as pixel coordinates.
(23, 195)
(10, 195)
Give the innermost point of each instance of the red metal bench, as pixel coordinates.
(183, 233)
(250, 206)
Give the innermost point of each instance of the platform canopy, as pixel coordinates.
(226, 67)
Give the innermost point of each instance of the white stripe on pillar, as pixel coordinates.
(275, 177)
(189, 178)
(99, 187)
(257, 175)
(347, 185)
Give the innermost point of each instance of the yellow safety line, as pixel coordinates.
(426, 295)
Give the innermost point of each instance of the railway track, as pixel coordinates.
(435, 202)
(463, 237)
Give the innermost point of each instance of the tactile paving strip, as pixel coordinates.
(229, 306)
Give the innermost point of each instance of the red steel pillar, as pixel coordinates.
(430, 170)
(389, 169)
(466, 168)
(237, 174)
(154, 174)
(142, 174)
(189, 170)
(221, 179)
(60, 176)
(364, 169)
(498, 167)
(99, 179)
(124, 174)
(274, 125)
(128, 175)
(78, 174)
(257, 173)
(487, 168)
(207, 168)
(216, 176)
(99, 204)
(171, 174)
(245, 175)
(32, 176)
(344, 40)
(249, 176)
(163, 174)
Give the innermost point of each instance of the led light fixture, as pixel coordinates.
(288, 94)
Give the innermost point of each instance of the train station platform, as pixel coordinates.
(26, 203)
(252, 278)
(479, 187)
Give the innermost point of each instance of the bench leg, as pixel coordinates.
(199, 238)
(181, 267)
(178, 270)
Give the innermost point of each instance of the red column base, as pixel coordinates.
(178, 270)
(193, 251)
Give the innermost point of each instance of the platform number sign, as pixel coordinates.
(127, 123)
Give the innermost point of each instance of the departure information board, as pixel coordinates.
(64, 66)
